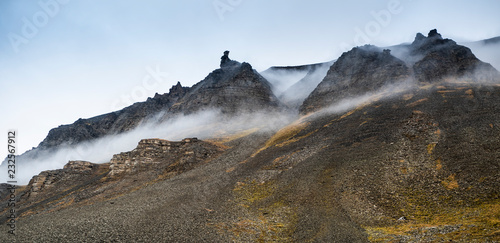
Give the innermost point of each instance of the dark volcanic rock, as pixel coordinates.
(361, 70)
(427, 155)
(82, 182)
(54, 181)
(444, 58)
(233, 88)
(428, 59)
(114, 122)
(163, 155)
(225, 61)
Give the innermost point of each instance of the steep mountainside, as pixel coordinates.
(443, 58)
(233, 88)
(422, 166)
(115, 122)
(487, 50)
(427, 60)
(418, 164)
(361, 70)
(83, 183)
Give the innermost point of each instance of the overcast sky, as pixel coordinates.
(61, 60)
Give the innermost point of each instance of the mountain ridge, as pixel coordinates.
(234, 87)
(361, 163)
(427, 59)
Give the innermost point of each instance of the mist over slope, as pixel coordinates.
(487, 50)
(356, 72)
(283, 77)
(112, 123)
(398, 144)
(346, 174)
(233, 88)
(298, 92)
(427, 60)
(232, 98)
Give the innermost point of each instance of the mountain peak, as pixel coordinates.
(356, 72)
(232, 88)
(419, 37)
(434, 33)
(177, 90)
(225, 61)
(440, 58)
(433, 40)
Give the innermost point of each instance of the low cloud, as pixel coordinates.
(385, 92)
(486, 52)
(204, 124)
(283, 78)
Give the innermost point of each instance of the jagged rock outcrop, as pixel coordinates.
(41, 181)
(114, 122)
(430, 59)
(356, 72)
(233, 88)
(421, 166)
(80, 166)
(225, 61)
(52, 182)
(83, 182)
(444, 58)
(164, 156)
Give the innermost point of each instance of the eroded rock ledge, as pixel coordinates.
(164, 155)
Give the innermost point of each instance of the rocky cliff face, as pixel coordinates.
(81, 181)
(233, 88)
(115, 122)
(164, 156)
(429, 157)
(419, 166)
(52, 182)
(444, 58)
(361, 70)
(430, 59)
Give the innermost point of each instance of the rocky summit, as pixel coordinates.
(417, 164)
(233, 88)
(444, 58)
(356, 72)
(430, 59)
(114, 122)
(83, 182)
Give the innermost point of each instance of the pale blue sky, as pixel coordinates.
(84, 58)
